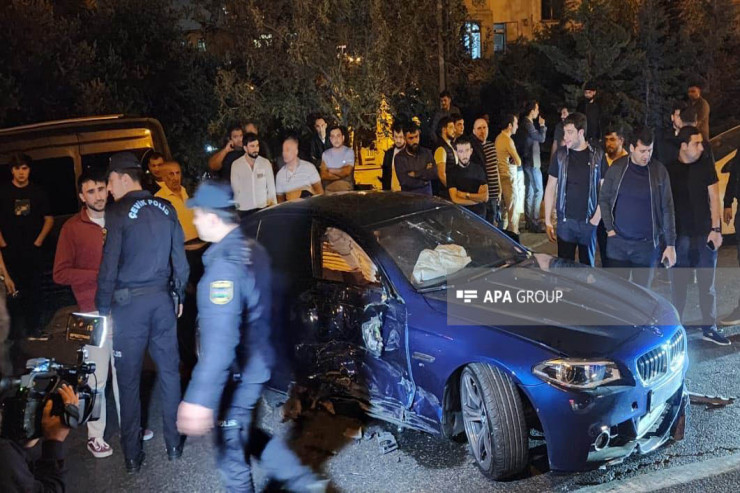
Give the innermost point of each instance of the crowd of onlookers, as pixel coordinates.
(643, 199)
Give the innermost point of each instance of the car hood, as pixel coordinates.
(599, 312)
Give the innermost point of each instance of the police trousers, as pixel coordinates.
(147, 320)
(232, 444)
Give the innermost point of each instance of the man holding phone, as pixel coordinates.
(695, 188)
(220, 163)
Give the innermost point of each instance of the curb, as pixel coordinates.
(671, 477)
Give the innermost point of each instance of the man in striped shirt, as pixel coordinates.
(489, 157)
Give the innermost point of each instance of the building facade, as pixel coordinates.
(493, 24)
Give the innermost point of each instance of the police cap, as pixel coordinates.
(123, 160)
(213, 195)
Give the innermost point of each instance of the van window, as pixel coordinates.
(101, 160)
(57, 177)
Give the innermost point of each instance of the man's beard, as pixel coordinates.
(93, 207)
(413, 147)
(253, 155)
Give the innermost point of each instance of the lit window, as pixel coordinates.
(471, 39)
(202, 44)
(499, 38)
(552, 9)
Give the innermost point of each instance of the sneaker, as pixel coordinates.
(713, 335)
(733, 318)
(98, 448)
(147, 435)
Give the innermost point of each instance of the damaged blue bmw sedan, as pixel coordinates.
(356, 318)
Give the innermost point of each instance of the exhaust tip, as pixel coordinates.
(602, 441)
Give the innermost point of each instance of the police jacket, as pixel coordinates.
(144, 248)
(596, 165)
(233, 318)
(661, 199)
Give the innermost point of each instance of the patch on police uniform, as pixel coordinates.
(221, 292)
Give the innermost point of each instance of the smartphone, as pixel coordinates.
(710, 245)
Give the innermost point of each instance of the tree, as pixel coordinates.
(599, 47)
(711, 33)
(661, 55)
(341, 58)
(130, 57)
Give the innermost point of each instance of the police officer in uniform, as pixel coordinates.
(143, 265)
(235, 351)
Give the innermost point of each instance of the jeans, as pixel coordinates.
(601, 237)
(692, 253)
(574, 234)
(533, 194)
(635, 257)
(103, 359)
(493, 213)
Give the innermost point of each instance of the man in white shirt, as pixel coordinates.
(252, 179)
(298, 178)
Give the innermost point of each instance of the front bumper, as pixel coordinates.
(634, 418)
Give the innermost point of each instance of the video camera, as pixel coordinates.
(23, 410)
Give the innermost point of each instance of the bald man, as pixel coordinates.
(175, 193)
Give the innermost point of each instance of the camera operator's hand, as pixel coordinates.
(52, 426)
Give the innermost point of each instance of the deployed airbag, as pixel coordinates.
(442, 261)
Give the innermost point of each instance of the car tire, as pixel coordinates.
(493, 416)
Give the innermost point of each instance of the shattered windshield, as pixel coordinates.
(433, 246)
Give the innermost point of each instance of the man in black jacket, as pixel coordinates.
(632, 186)
(589, 107)
(19, 473)
(389, 180)
(319, 141)
(573, 190)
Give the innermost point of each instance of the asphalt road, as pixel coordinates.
(427, 463)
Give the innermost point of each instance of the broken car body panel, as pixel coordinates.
(351, 324)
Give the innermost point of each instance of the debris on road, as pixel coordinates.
(712, 402)
(353, 432)
(386, 442)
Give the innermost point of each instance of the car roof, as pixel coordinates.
(359, 209)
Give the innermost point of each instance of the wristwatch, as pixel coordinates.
(718, 229)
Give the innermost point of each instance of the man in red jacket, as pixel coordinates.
(77, 261)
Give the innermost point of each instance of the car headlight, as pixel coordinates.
(577, 374)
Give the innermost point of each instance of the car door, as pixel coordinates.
(353, 331)
(287, 239)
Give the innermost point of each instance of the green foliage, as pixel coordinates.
(641, 54)
(63, 60)
(339, 58)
